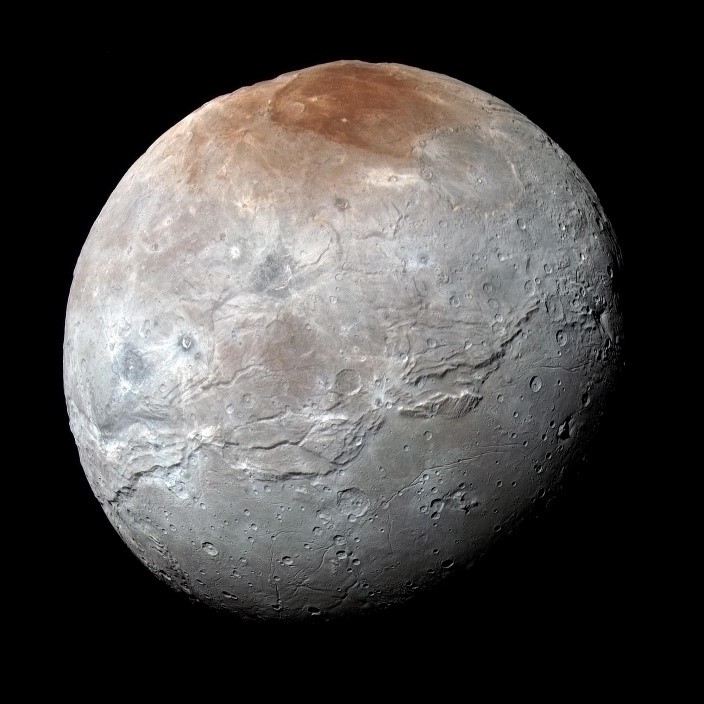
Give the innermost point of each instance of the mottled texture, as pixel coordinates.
(333, 332)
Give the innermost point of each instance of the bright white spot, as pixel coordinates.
(389, 178)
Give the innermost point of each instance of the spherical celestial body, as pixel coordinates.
(334, 332)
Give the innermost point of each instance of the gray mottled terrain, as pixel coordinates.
(334, 332)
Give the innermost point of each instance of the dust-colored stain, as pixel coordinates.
(372, 107)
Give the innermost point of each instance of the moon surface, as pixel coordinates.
(333, 333)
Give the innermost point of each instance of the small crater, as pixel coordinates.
(348, 382)
(186, 342)
(353, 502)
(536, 383)
(209, 549)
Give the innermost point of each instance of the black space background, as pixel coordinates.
(570, 583)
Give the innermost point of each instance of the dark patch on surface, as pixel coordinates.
(133, 367)
(274, 274)
(368, 106)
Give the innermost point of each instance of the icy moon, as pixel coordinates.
(334, 332)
